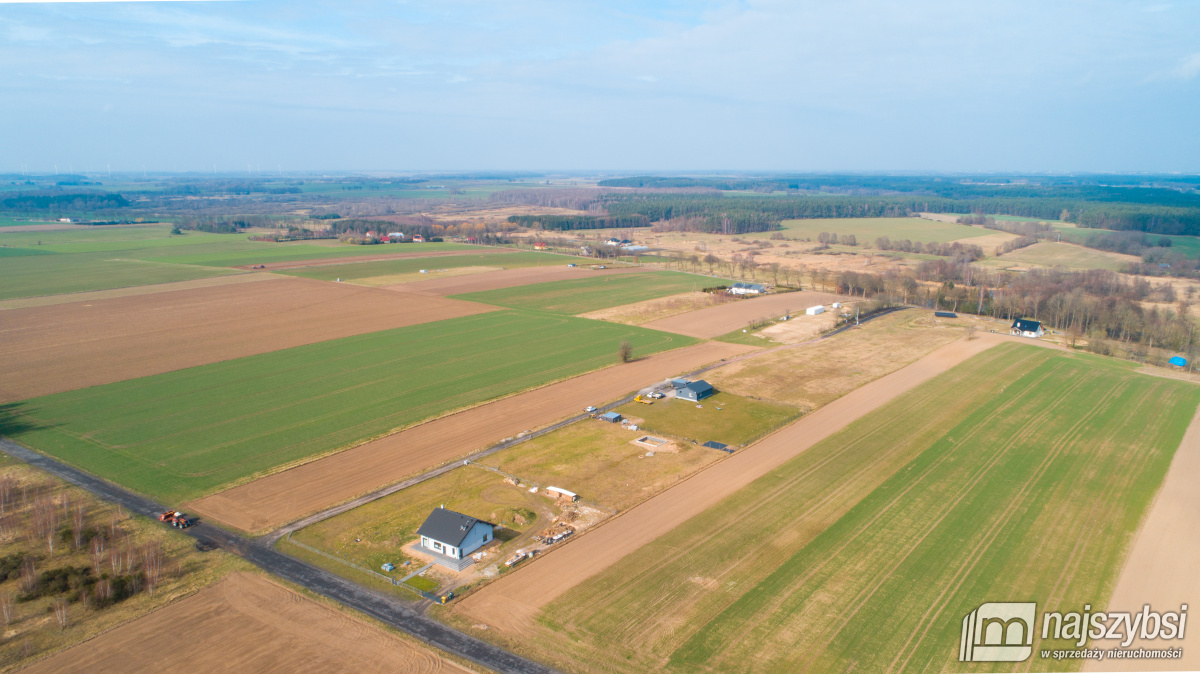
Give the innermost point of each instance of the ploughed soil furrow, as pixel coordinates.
(278, 499)
(245, 623)
(50, 349)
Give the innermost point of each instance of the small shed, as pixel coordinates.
(679, 383)
(945, 314)
(563, 493)
(611, 417)
(696, 391)
(450, 537)
(813, 311)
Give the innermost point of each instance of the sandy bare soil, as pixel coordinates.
(511, 602)
(277, 499)
(93, 295)
(408, 254)
(506, 279)
(1161, 567)
(717, 321)
(246, 623)
(69, 346)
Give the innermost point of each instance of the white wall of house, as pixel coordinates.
(479, 535)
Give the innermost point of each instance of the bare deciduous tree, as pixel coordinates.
(6, 608)
(61, 612)
(625, 352)
(152, 564)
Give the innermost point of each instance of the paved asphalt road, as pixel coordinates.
(317, 580)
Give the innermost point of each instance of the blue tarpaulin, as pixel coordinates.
(1178, 361)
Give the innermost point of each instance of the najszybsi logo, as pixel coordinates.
(998, 632)
(1003, 632)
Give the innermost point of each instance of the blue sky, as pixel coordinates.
(560, 85)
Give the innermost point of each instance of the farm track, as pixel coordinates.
(508, 278)
(278, 499)
(239, 624)
(331, 261)
(719, 320)
(511, 602)
(388, 610)
(51, 349)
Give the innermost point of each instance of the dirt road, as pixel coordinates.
(407, 254)
(246, 623)
(511, 603)
(507, 278)
(62, 347)
(277, 499)
(719, 320)
(1161, 567)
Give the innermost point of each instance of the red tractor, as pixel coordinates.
(175, 519)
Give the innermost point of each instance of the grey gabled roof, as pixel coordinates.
(447, 526)
(1026, 325)
(700, 386)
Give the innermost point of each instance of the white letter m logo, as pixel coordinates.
(998, 632)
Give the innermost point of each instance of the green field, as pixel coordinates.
(186, 433)
(36, 275)
(724, 417)
(591, 294)
(1051, 254)
(362, 270)
(865, 551)
(295, 252)
(869, 229)
(102, 258)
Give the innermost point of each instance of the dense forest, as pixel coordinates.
(61, 203)
(569, 222)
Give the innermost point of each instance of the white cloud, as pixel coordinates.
(1189, 67)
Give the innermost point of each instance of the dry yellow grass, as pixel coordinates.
(813, 375)
(663, 307)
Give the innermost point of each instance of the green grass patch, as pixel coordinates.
(36, 275)
(187, 433)
(1051, 254)
(869, 229)
(893, 529)
(423, 583)
(360, 270)
(590, 294)
(724, 417)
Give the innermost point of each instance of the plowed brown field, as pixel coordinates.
(507, 278)
(717, 321)
(321, 262)
(62, 347)
(246, 623)
(277, 499)
(511, 602)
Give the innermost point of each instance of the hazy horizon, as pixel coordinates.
(712, 87)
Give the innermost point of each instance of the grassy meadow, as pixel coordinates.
(896, 527)
(187, 433)
(1052, 254)
(724, 417)
(591, 294)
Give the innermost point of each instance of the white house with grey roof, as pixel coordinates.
(450, 537)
